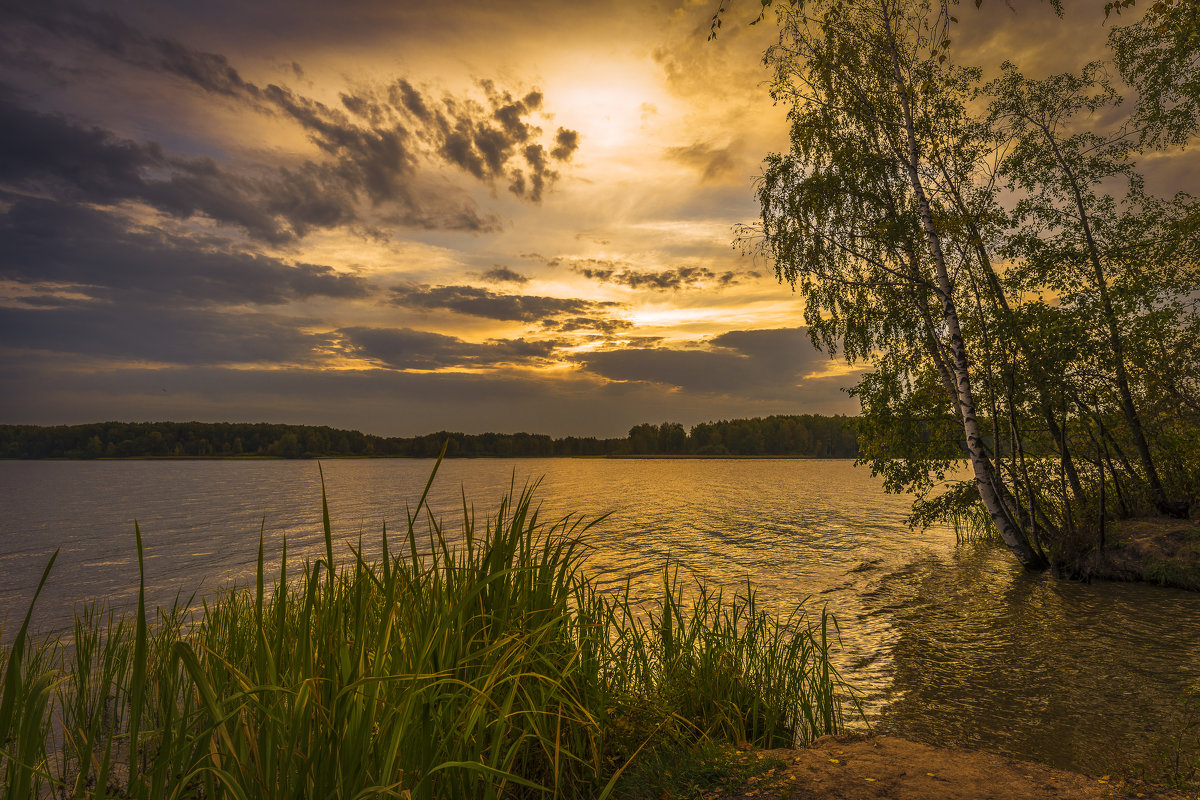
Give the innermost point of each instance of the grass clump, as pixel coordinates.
(489, 666)
(1178, 573)
(703, 771)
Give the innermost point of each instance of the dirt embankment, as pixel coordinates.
(869, 767)
(1154, 549)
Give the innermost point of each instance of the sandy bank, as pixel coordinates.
(868, 767)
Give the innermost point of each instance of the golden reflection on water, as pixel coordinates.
(986, 655)
(948, 643)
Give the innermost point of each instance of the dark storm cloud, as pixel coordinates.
(373, 145)
(501, 274)
(694, 370)
(404, 348)
(378, 157)
(378, 162)
(43, 241)
(779, 349)
(50, 153)
(767, 363)
(478, 302)
(47, 152)
(109, 34)
(662, 280)
(402, 94)
(148, 332)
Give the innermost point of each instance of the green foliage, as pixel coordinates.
(988, 253)
(484, 665)
(701, 772)
(1159, 55)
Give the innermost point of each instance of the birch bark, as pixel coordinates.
(990, 492)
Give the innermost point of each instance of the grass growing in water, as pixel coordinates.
(487, 668)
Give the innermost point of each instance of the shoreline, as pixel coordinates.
(877, 767)
(1157, 550)
(631, 456)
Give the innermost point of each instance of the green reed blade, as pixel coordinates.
(16, 655)
(325, 523)
(258, 576)
(137, 682)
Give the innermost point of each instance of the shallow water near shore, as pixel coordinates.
(950, 644)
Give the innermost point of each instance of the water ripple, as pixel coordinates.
(948, 644)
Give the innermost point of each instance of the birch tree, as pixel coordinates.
(859, 217)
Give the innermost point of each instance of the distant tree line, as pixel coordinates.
(801, 435)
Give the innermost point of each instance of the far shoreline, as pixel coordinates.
(631, 456)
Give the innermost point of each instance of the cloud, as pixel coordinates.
(404, 348)
(605, 325)
(500, 274)
(663, 280)
(710, 161)
(494, 140)
(109, 34)
(377, 158)
(47, 242)
(195, 163)
(380, 135)
(566, 142)
(374, 148)
(148, 332)
(478, 302)
(765, 363)
(50, 154)
(385, 401)
(45, 151)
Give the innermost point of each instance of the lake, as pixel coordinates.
(949, 643)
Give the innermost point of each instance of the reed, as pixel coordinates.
(486, 665)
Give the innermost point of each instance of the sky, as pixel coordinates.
(404, 217)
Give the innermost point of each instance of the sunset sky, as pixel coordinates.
(402, 217)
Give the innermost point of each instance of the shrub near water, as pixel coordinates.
(489, 668)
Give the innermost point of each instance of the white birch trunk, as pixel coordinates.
(985, 476)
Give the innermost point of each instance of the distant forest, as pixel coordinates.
(809, 435)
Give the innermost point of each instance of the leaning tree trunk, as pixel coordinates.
(1163, 503)
(985, 476)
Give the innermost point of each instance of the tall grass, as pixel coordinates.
(484, 668)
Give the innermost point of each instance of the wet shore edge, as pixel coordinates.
(870, 766)
(1156, 550)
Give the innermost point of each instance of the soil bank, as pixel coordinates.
(857, 767)
(1153, 549)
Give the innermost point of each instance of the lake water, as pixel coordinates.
(950, 644)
